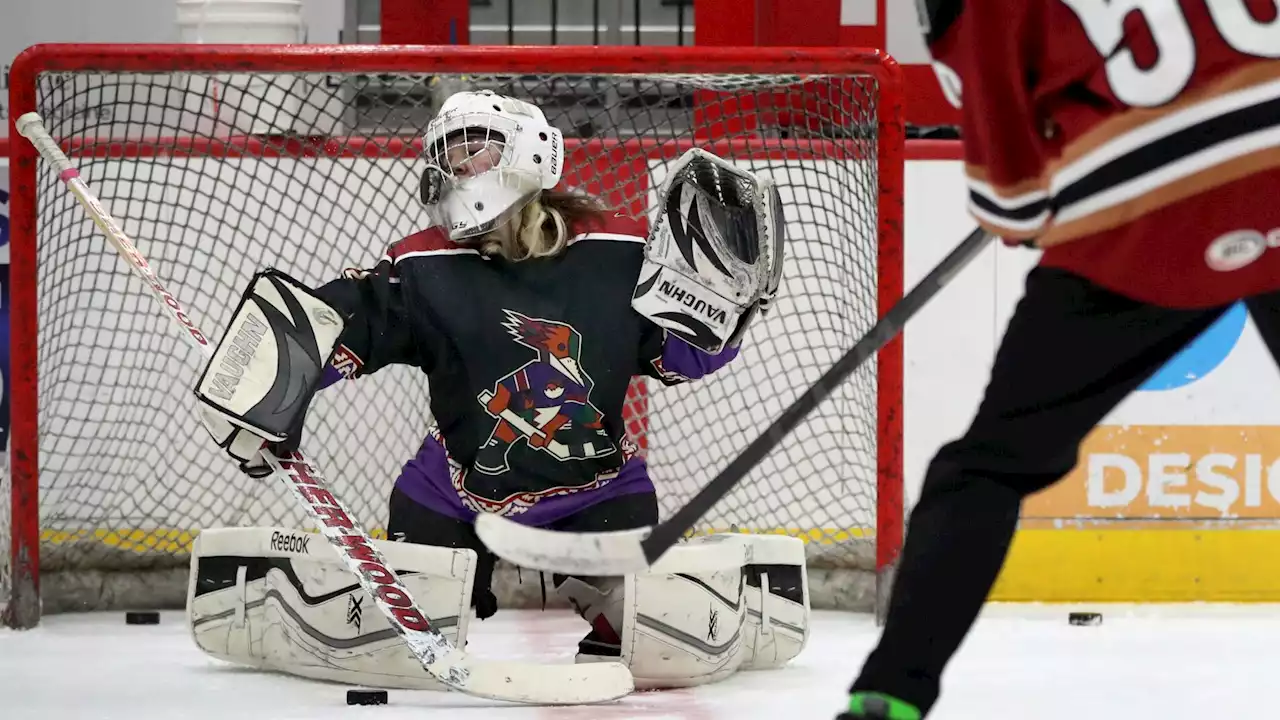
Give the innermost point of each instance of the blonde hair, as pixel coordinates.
(541, 230)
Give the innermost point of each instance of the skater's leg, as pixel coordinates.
(1265, 311)
(1071, 353)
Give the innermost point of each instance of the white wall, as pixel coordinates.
(28, 22)
(948, 345)
(1191, 444)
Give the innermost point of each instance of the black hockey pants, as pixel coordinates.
(425, 526)
(1071, 353)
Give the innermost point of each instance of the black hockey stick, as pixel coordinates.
(631, 551)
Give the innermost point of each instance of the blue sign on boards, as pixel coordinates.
(1202, 355)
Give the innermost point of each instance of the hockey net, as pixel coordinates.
(220, 161)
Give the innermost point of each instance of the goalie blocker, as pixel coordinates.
(280, 600)
(265, 370)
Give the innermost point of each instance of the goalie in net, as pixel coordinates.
(530, 322)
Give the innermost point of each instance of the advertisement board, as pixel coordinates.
(1176, 495)
(1194, 443)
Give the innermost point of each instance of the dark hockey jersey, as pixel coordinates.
(528, 365)
(1138, 142)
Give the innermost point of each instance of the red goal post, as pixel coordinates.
(787, 109)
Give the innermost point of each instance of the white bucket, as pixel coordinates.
(253, 22)
(247, 103)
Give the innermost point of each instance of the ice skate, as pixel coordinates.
(875, 706)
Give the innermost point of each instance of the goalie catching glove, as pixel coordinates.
(714, 256)
(258, 384)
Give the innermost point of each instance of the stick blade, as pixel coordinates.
(533, 684)
(600, 553)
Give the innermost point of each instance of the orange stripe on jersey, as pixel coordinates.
(1221, 139)
(1162, 196)
(1156, 159)
(1005, 190)
(1017, 211)
(1098, 135)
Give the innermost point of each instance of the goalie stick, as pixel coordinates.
(623, 552)
(512, 681)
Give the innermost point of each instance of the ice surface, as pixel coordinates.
(1021, 663)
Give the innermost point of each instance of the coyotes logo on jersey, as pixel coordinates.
(546, 402)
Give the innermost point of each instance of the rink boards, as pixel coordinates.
(124, 461)
(1176, 496)
(1177, 493)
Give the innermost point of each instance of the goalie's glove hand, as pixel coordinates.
(714, 257)
(256, 388)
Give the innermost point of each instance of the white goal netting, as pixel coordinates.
(218, 175)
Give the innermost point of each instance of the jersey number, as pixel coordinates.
(1103, 22)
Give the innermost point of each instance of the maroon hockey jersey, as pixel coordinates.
(1137, 142)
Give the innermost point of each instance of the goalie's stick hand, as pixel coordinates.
(625, 552)
(517, 682)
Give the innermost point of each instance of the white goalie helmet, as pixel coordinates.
(488, 157)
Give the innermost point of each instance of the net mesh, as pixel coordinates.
(216, 176)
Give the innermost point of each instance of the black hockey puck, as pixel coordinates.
(1085, 618)
(144, 617)
(366, 697)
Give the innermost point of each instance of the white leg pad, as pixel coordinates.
(282, 600)
(714, 605)
(684, 619)
(778, 616)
